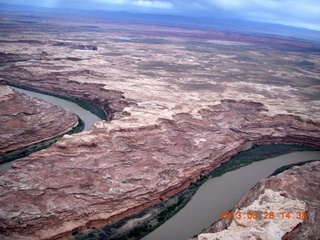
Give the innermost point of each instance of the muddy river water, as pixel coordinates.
(87, 117)
(222, 194)
(215, 195)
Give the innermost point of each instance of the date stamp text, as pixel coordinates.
(264, 215)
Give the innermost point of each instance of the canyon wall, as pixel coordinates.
(25, 121)
(95, 177)
(182, 101)
(291, 196)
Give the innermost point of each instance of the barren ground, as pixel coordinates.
(182, 101)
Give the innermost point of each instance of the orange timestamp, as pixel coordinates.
(264, 215)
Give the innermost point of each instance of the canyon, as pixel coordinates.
(293, 191)
(26, 121)
(180, 105)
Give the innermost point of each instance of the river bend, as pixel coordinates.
(222, 194)
(215, 195)
(86, 116)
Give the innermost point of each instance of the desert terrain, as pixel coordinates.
(289, 197)
(29, 122)
(180, 102)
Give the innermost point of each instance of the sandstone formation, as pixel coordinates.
(94, 177)
(295, 191)
(25, 120)
(110, 101)
(180, 106)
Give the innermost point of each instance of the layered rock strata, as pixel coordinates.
(292, 196)
(25, 121)
(182, 101)
(110, 101)
(102, 175)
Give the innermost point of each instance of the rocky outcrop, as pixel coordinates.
(110, 101)
(4, 57)
(25, 120)
(292, 196)
(100, 176)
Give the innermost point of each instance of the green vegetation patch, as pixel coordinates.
(84, 104)
(149, 219)
(25, 151)
(286, 167)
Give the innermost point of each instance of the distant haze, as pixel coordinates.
(305, 14)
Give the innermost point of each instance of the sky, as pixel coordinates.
(299, 13)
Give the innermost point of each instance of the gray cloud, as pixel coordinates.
(290, 12)
(304, 13)
(141, 3)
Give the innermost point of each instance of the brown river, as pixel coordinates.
(87, 117)
(222, 194)
(214, 196)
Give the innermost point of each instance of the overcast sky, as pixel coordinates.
(301, 13)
